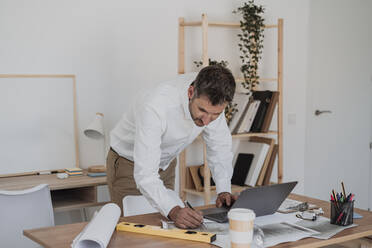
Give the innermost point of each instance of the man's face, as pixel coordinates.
(201, 109)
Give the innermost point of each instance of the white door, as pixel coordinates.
(340, 79)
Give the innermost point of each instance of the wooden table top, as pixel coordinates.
(25, 182)
(62, 236)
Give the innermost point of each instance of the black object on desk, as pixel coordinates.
(342, 213)
(342, 208)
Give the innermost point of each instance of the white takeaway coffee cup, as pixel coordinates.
(241, 227)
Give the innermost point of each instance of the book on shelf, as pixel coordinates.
(270, 111)
(195, 177)
(241, 117)
(96, 174)
(256, 166)
(74, 171)
(248, 117)
(201, 176)
(255, 113)
(241, 100)
(266, 163)
(270, 166)
(241, 168)
(264, 97)
(260, 162)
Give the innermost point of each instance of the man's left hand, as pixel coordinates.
(225, 198)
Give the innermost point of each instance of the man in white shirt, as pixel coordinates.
(158, 127)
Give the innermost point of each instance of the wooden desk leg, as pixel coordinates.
(366, 242)
(207, 197)
(83, 214)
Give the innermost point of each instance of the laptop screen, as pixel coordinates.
(264, 200)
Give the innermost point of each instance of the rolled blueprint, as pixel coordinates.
(98, 232)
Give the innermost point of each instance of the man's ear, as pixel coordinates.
(190, 91)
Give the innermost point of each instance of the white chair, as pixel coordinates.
(24, 209)
(136, 204)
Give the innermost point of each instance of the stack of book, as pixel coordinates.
(255, 169)
(255, 113)
(97, 171)
(74, 171)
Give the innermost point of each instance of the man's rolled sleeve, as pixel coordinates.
(219, 153)
(147, 154)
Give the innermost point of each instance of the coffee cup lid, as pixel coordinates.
(241, 214)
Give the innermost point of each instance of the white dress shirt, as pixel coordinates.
(157, 128)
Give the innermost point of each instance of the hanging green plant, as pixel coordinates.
(251, 41)
(230, 110)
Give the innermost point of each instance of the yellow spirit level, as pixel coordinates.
(170, 233)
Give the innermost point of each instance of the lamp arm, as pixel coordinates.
(106, 146)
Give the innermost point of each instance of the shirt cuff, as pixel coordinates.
(175, 201)
(223, 186)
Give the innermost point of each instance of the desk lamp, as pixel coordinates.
(96, 131)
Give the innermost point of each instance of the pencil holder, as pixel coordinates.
(342, 213)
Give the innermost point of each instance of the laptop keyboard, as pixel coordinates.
(220, 216)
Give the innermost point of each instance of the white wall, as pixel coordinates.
(119, 48)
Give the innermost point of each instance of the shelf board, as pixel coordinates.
(194, 192)
(72, 204)
(246, 135)
(234, 189)
(220, 24)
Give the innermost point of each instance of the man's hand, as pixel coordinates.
(185, 217)
(225, 198)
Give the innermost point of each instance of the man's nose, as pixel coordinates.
(206, 119)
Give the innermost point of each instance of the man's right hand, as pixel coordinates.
(186, 217)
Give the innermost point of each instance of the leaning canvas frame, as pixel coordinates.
(75, 120)
(271, 143)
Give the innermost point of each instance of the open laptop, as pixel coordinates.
(262, 200)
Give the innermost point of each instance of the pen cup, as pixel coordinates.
(342, 213)
(241, 227)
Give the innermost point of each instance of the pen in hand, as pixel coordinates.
(189, 205)
(202, 224)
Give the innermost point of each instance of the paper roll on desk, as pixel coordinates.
(97, 233)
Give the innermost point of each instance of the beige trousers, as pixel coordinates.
(120, 179)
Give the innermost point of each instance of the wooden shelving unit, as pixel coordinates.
(278, 134)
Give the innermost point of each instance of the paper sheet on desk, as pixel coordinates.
(279, 228)
(324, 227)
(98, 232)
(273, 234)
(268, 223)
(275, 218)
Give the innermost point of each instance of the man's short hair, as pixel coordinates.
(215, 82)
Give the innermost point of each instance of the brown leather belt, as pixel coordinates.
(120, 156)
